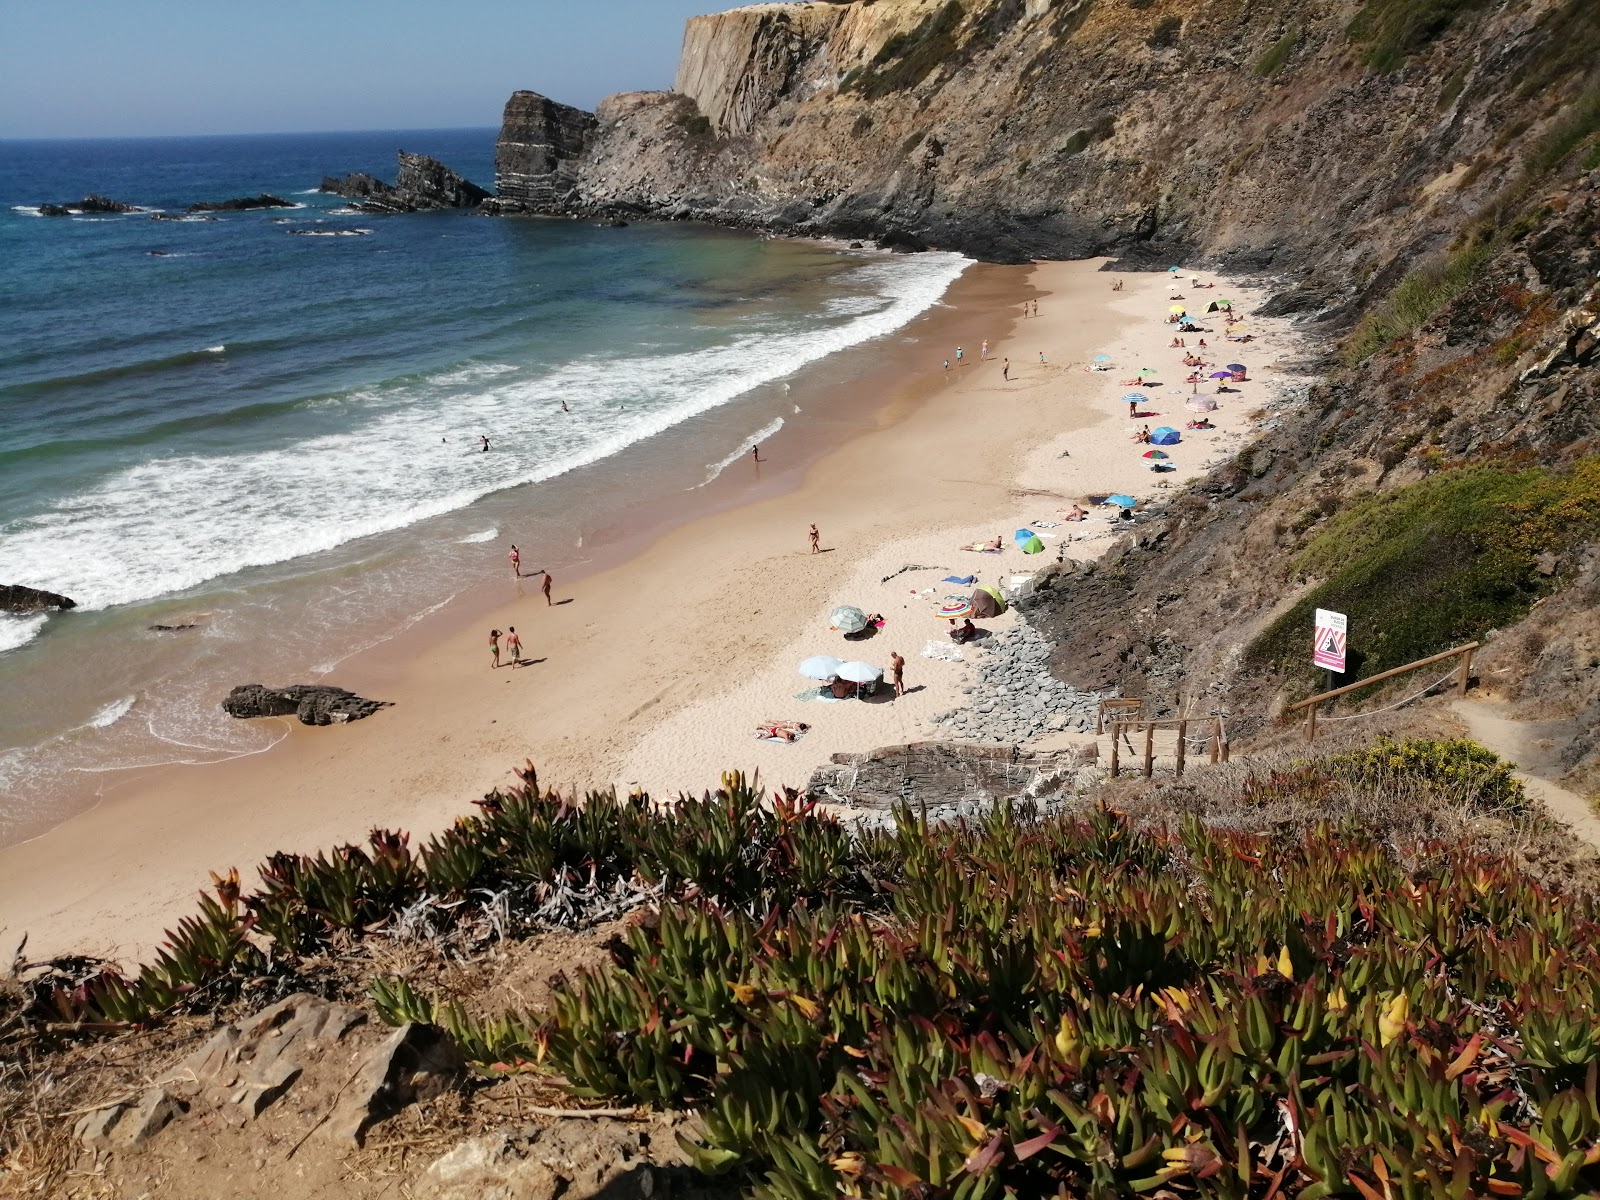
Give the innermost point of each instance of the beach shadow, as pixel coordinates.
(526, 662)
(1137, 415)
(559, 603)
(921, 687)
(865, 635)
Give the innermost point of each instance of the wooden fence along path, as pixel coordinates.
(1463, 672)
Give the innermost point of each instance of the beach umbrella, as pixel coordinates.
(1172, 270)
(987, 602)
(820, 666)
(859, 672)
(847, 618)
(1166, 436)
(1028, 541)
(1178, 308)
(1136, 398)
(952, 607)
(1148, 371)
(1220, 375)
(1156, 454)
(1102, 358)
(1121, 501)
(1202, 404)
(1237, 368)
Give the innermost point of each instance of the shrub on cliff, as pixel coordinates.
(1438, 562)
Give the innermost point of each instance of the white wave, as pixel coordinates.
(19, 631)
(487, 535)
(308, 192)
(31, 209)
(172, 523)
(750, 443)
(330, 232)
(111, 713)
(216, 349)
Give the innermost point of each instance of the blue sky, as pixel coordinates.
(127, 68)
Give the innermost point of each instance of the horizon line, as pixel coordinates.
(156, 137)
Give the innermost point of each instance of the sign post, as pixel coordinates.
(1328, 646)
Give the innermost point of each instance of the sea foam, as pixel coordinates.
(173, 522)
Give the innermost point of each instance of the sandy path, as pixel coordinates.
(1516, 742)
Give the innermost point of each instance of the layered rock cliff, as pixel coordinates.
(536, 157)
(420, 183)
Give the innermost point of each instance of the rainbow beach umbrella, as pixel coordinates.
(953, 607)
(1156, 454)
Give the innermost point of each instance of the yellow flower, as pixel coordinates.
(1393, 1021)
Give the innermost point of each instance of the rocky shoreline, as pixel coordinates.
(1014, 697)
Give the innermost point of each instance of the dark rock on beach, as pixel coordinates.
(241, 204)
(14, 598)
(313, 704)
(420, 183)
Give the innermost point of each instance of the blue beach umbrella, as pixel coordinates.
(1166, 436)
(1173, 270)
(1121, 501)
(1136, 398)
(1028, 541)
(1102, 358)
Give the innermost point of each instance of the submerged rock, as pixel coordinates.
(14, 598)
(89, 204)
(312, 703)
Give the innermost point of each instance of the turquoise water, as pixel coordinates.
(268, 423)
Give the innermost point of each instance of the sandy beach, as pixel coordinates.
(655, 672)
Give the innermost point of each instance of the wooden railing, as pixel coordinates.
(1216, 739)
(1463, 673)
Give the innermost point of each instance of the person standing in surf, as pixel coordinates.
(755, 452)
(484, 438)
(516, 561)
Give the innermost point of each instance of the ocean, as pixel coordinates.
(266, 427)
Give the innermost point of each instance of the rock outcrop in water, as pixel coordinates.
(241, 204)
(89, 204)
(313, 704)
(14, 598)
(536, 158)
(420, 183)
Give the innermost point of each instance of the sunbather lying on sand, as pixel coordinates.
(989, 547)
(781, 731)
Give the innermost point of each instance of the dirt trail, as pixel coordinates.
(1520, 742)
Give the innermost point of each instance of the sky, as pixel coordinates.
(133, 68)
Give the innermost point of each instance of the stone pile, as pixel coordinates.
(1014, 698)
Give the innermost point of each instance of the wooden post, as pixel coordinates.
(1116, 729)
(1464, 674)
(1216, 738)
(1311, 723)
(1183, 744)
(1222, 732)
(1149, 750)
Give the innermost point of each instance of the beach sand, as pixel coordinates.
(655, 672)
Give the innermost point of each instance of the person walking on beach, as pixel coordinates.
(513, 645)
(1133, 408)
(545, 588)
(960, 354)
(983, 350)
(897, 669)
(1036, 308)
(947, 366)
(1005, 371)
(516, 561)
(1041, 356)
(755, 453)
(816, 540)
(494, 646)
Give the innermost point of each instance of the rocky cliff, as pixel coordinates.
(1421, 179)
(535, 160)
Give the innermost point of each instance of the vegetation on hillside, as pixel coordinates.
(906, 59)
(1436, 563)
(1068, 1006)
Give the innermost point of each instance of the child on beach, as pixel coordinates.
(513, 645)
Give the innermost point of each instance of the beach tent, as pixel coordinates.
(1166, 436)
(1212, 307)
(820, 666)
(1120, 500)
(987, 602)
(847, 618)
(1028, 541)
(1202, 404)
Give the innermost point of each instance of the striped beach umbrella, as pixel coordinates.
(953, 607)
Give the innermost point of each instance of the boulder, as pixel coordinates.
(416, 1062)
(14, 598)
(241, 204)
(312, 703)
(89, 204)
(54, 210)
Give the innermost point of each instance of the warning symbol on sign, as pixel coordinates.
(1327, 649)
